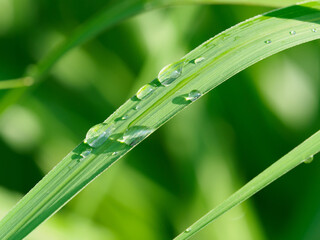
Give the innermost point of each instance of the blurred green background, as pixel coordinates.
(187, 167)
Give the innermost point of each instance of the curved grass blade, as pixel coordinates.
(302, 153)
(176, 87)
(106, 19)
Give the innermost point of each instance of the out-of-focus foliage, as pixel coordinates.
(187, 167)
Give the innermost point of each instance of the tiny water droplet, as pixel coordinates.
(85, 153)
(134, 135)
(188, 229)
(170, 73)
(199, 60)
(193, 95)
(114, 153)
(236, 38)
(124, 117)
(98, 134)
(292, 32)
(314, 30)
(136, 107)
(145, 91)
(309, 159)
(267, 41)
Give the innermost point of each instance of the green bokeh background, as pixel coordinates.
(188, 166)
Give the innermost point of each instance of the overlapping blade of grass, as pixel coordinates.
(102, 21)
(198, 72)
(302, 153)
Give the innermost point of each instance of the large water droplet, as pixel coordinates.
(145, 91)
(292, 32)
(98, 134)
(267, 41)
(199, 60)
(170, 73)
(193, 95)
(134, 135)
(309, 159)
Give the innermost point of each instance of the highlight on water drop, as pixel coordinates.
(267, 41)
(199, 60)
(124, 117)
(170, 73)
(292, 32)
(98, 134)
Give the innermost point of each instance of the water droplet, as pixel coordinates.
(188, 229)
(134, 135)
(314, 30)
(309, 159)
(193, 95)
(124, 117)
(98, 134)
(114, 153)
(267, 41)
(136, 107)
(292, 32)
(145, 91)
(85, 153)
(199, 60)
(170, 73)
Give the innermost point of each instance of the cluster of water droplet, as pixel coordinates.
(292, 32)
(100, 133)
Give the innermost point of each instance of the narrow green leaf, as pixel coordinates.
(176, 87)
(16, 83)
(303, 153)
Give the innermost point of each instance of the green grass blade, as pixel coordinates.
(106, 19)
(16, 83)
(199, 71)
(301, 153)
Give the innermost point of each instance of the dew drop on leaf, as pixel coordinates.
(145, 91)
(193, 95)
(309, 159)
(85, 153)
(134, 135)
(98, 134)
(292, 32)
(199, 60)
(267, 41)
(170, 73)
